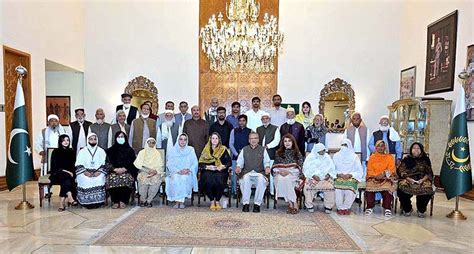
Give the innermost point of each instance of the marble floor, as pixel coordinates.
(45, 230)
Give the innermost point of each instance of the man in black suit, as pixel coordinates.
(130, 111)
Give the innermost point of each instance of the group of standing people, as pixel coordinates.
(278, 149)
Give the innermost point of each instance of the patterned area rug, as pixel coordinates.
(270, 229)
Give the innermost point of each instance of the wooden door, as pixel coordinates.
(11, 59)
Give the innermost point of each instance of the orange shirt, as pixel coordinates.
(378, 163)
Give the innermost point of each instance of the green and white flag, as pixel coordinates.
(456, 174)
(20, 161)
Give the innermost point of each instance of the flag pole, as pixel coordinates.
(456, 214)
(23, 205)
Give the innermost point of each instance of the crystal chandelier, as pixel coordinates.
(242, 45)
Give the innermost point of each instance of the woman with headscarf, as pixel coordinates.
(151, 165)
(349, 173)
(90, 174)
(319, 170)
(286, 171)
(122, 172)
(214, 165)
(63, 171)
(315, 133)
(380, 178)
(181, 178)
(306, 115)
(415, 178)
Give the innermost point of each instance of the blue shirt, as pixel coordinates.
(233, 120)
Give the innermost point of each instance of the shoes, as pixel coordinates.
(122, 205)
(181, 206)
(256, 208)
(407, 214)
(61, 209)
(358, 201)
(246, 208)
(115, 206)
(368, 211)
(149, 205)
(212, 207)
(176, 206)
(327, 210)
(388, 213)
(311, 210)
(218, 206)
(421, 215)
(142, 204)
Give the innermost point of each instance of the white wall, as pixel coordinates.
(158, 40)
(44, 29)
(66, 83)
(357, 41)
(415, 20)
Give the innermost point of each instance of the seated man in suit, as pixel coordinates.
(252, 169)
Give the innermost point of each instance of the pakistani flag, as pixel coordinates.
(20, 162)
(456, 170)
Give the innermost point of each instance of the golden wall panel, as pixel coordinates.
(230, 87)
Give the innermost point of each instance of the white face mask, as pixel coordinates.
(291, 121)
(120, 141)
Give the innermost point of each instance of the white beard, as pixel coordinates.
(290, 121)
(384, 128)
(168, 123)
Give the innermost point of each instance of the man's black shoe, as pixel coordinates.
(256, 208)
(246, 208)
(358, 201)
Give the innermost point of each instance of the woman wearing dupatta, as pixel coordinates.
(319, 170)
(287, 171)
(151, 165)
(214, 165)
(306, 115)
(349, 173)
(63, 171)
(90, 174)
(380, 178)
(181, 177)
(122, 172)
(416, 178)
(315, 133)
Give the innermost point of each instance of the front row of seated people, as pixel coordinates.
(96, 173)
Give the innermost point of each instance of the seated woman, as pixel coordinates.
(319, 170)
(349, 173)
(415, 178)
(315, 133)
(181, 178)
(214, 165)
(380, 178)
(151, 165)
(63, 171)
(90, 174)
(287, 171)
(122, 172)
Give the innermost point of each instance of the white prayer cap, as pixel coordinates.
(289, 109)
(384, 117)
(168, 111)
(266, 114)
(53, 116)
(91, 134)
(318, 148)
(150, 139)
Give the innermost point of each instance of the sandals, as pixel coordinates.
(73, 203)
(61, 209)
(115, 206)
(368, 211)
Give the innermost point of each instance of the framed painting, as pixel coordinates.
(60, 106)
(408, 82)
(441, 54)
(469, 85)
